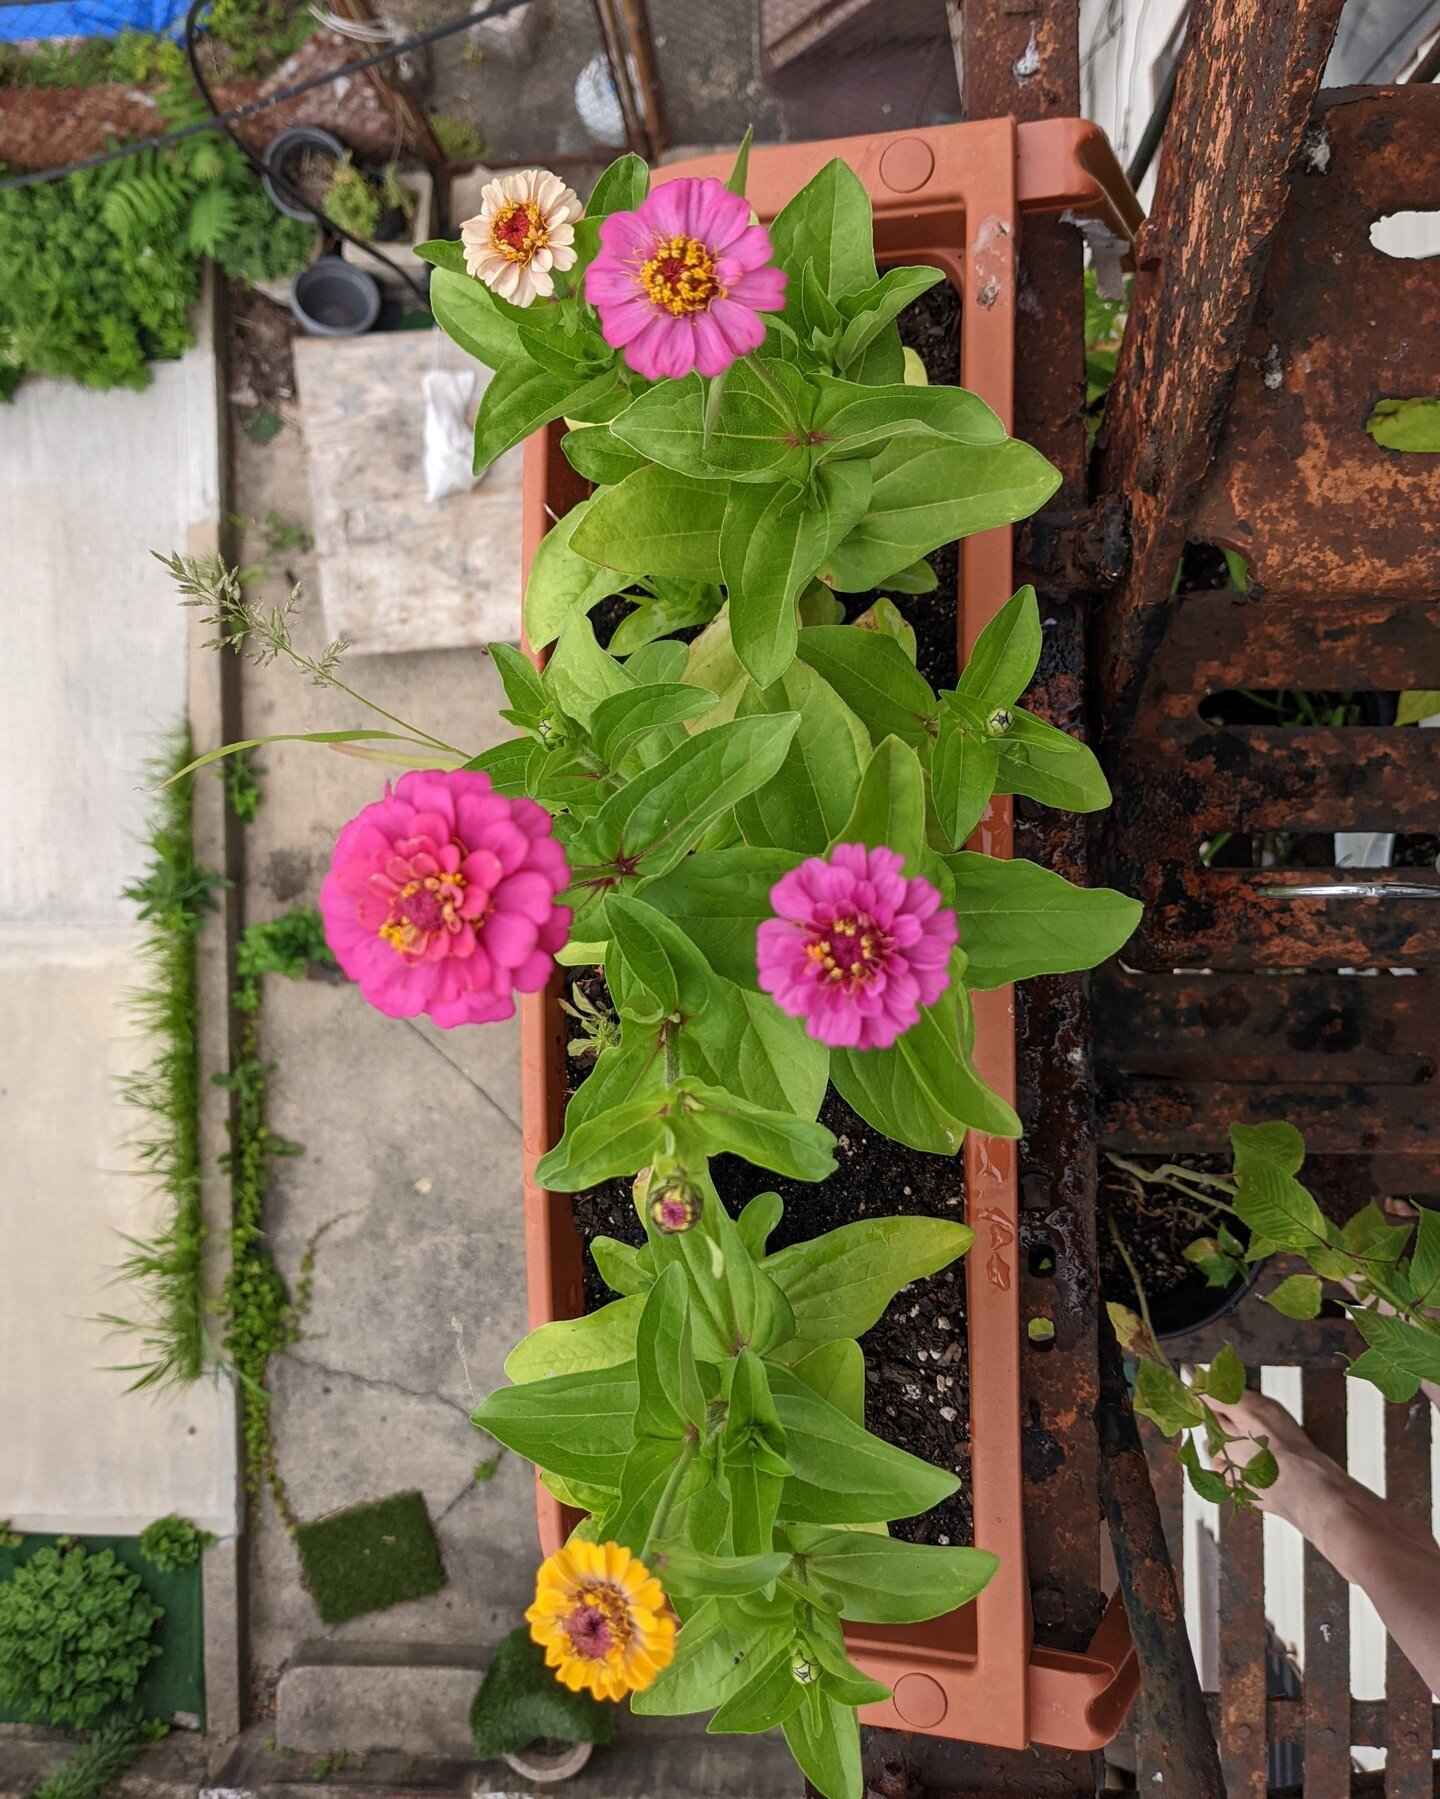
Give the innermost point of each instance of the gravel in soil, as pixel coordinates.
(917, 1368)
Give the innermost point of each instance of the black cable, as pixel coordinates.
(34, 177)
(257, 164)
(1154, 131)
(1428, 66)
(1385, 55)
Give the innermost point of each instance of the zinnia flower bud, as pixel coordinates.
(675, 1204)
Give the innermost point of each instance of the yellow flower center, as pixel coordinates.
(420, 909)
(517, 231)
(599, 1623)
(680, 276)
(853, 950)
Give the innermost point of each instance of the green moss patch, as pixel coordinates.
(370, 1557)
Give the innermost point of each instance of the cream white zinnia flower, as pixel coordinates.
(524, 229)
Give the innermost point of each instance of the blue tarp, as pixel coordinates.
(87, 18)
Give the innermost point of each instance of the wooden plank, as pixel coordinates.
(1335, 1116)
(1178, 1726)
(1278, 778)
(1248, 75)
(1241, 1646)
(1367, 1721)
(1223, 642)
(1409, 1767)
(1326, 1696)
(1024, 61)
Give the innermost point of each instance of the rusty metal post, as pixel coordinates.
(1248, 75)
(625, 32)
(1025, 61)
(1177, 1716)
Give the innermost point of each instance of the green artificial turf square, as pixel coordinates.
(369, 1557)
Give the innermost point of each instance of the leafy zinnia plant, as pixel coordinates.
(759, 838)
(711, 1423)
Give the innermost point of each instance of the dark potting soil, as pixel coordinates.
(917, 1369)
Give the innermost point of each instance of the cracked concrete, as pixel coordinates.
(410, 1143)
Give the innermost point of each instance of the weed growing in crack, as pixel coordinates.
(261, 1316)
(174, 896)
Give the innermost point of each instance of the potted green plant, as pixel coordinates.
(1382, 1272)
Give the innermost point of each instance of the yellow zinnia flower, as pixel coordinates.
(600, 1616)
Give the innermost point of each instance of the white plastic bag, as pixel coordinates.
(449, 450)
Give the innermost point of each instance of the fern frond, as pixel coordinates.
(214, 215)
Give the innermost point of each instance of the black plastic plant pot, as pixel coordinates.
(1194, 1304)
(285, 158)
(332, 298)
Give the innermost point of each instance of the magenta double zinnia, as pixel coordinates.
(680, 283)
(441, 899)
(856, 948)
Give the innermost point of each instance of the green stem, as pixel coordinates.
(1142, 1301)
(1171, 1174)
(671, 1052)
(438, 743)
(783, 399)
(656, 1533)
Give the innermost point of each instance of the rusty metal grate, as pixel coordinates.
(1344, 554)
(1234, 1005)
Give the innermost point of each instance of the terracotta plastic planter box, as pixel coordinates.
(953, 198)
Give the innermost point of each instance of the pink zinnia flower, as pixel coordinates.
(680, 283)
(441, 899)
(857, 949)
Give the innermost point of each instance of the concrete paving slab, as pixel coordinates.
(89, 484)
(81, 1454)
(399, 571)
(419, 1709)
(419, 1282)
(421, 1706)
(411, 1144)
